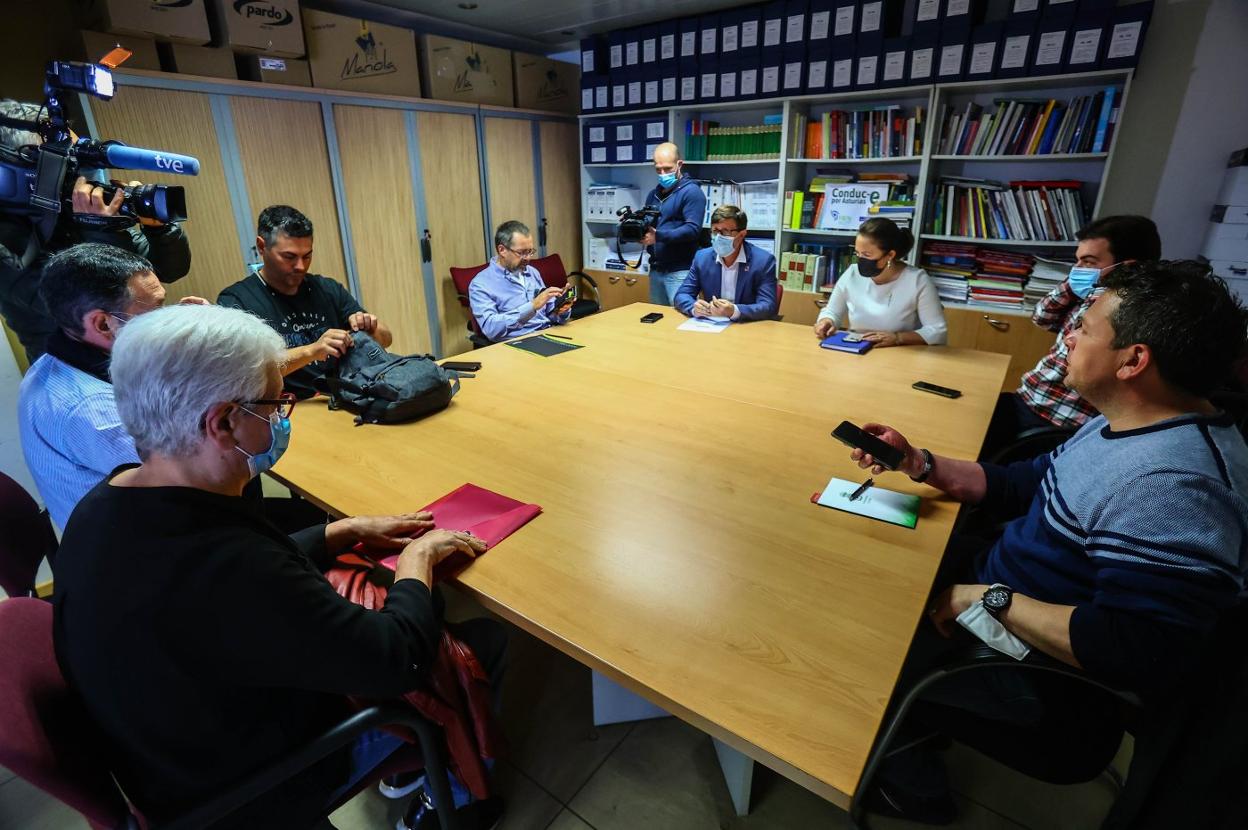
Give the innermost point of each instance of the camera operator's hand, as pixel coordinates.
(363, 321)
(88, 197)
(333, 343)
(546, 296)
(648, 239)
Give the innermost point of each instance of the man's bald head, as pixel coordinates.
(667, 159)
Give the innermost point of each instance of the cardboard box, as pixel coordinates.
(181, 22)
(270, 70)
(544, 84)
(267, 27)
(361, 56)
(207, 61)
(469, 73)
(96, 45)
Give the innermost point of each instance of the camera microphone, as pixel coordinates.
(113, 154)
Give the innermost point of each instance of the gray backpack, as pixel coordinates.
(382, 388)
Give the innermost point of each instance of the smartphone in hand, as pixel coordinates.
(886, 455)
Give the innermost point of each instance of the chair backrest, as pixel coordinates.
(462, 277)
(27, 538)
(551, 269)
(779, 296)
(48, 738)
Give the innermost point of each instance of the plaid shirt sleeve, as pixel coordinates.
(1052, 312)
(1044, 388)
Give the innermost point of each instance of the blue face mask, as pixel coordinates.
(1083, 280)
(722, 244)
(279, 429)
(666, 180)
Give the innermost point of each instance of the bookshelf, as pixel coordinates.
(925, 168)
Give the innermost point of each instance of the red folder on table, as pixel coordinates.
(485, 514)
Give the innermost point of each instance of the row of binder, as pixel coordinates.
(744, 54)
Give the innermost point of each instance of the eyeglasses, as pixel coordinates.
(728, 231)
(284, 403)
(526, 254)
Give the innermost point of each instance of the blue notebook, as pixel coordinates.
(837, 343)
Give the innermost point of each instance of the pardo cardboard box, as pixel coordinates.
(207, 61)
(544, 84)
(182, 21)
(291, 71)
(360, 55)
(456, 70)
(96, 45)
(270, 27)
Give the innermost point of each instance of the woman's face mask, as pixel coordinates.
(279, 429)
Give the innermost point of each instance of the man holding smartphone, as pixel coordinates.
(508, 297)
(1127, 544)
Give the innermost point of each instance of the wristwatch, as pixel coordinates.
(927, 468)
(997, 598)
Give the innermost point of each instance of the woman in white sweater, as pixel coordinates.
(890, 303)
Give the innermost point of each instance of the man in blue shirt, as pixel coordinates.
(72, 436)
(1130, 540)
(736, 280)
(508, 297)
(674, 240)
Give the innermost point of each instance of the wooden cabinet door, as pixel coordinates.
(448, 157)
(561, 192)
(1011, 334)
(616, 288)
(513, 188)
(182, 122)
(963, 325)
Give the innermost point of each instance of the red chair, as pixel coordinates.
(554, 275)
(462, 277)
(28, 538)
(49, 739)
(779, 297)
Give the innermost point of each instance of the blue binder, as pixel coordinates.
(708, 36)
(819, 22)
(868, 56)
(708, 79)
(793, 71)
(1087, 40)
(795, 20)
(984, 55)
(955, 38)
(1052, 42)
(895, 62)
(1128, 25)
(924, 46)
(1018, 45)
(773, 26)
(882, 17)
(819, 67)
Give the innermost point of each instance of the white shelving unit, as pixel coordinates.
(925, 169)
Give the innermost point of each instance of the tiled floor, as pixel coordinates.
(563, 774)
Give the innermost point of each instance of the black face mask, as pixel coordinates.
(869, 267)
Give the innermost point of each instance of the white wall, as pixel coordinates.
(1188, 111)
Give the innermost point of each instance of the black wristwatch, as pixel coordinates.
(997, 598)
(927, 468)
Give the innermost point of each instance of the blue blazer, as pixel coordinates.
(756, 283)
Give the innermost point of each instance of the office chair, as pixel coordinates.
(50, 741)
(27, 539)
(554, 275)
(462, 277)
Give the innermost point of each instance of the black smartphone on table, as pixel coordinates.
(943, 391)
(652, 317)
(886, 455)
(462, 365)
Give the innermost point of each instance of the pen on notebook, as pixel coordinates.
(862, 488)
(560, 336)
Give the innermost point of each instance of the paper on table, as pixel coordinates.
(713, 325)
(876, 503)
(483, 513)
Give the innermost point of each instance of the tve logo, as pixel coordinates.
(172, 165)
(265, 12)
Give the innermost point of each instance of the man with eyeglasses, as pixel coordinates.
(508, 297)
(736, 280)
(71, 433)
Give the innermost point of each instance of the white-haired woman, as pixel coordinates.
(203, 640)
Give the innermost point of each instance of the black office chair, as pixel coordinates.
(1030, 443)
(1172, 738)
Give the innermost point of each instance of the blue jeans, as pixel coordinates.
(665, 284)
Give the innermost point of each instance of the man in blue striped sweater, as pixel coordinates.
(1131, 539)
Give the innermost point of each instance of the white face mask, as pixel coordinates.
(723, 245)
(1083, 280)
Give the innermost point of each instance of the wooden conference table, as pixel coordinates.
(678, 552)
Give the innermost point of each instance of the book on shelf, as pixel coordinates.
(1028, 126)
(977, 276)
(1021, 210)
(810, 267)
(875, 133)
(757, 198)
(1046, 274)
(841, 201)
(708, 141)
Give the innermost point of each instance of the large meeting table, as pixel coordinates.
(679, 552)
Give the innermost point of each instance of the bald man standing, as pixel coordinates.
(674, 241)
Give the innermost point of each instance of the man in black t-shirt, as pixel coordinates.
(315, 315)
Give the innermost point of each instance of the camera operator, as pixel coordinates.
(164, 245)
(682, 207)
